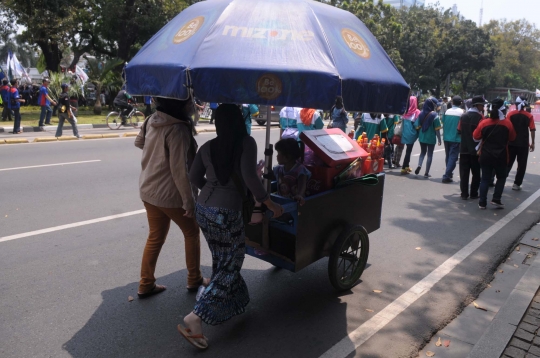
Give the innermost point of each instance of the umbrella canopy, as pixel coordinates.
(297, 53)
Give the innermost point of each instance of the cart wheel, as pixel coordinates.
(348, 258)
(261, 123)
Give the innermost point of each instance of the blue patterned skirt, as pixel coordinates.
(227, 295)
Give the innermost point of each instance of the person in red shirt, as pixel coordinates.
(523, 123)
(495, 133)
(4, 92)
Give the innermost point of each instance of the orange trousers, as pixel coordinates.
(159, 221)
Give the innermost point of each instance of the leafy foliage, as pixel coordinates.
(428, 44)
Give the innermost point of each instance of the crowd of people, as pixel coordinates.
(484, 136)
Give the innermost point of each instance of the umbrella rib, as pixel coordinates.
(324, 34)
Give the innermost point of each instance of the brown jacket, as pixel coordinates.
(168, 152)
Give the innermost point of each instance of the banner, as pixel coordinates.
(81, 74)
(17, 70)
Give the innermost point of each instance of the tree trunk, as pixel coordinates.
(465, 82)
(97, 105)
(128, 31)
(52, 54)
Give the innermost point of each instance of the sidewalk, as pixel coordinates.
(505, 319)
(89, 129)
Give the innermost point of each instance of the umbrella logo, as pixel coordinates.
(269, 86)
(189, 29)
(356, 43)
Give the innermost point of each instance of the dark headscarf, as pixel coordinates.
(339, 102)
(226, 148)
(177, 108)
(428, 114)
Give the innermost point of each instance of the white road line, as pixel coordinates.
(360, 335)
(50, 165)
(69, 226)
(435, 151)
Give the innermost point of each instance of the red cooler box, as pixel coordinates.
(328, 153)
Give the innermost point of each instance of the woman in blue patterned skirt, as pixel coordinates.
(233, 153)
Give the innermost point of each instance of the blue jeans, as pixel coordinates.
(426, 149)
(46, 112)
(17, 122)
(342, 127)
(487, 172)
(452, 152)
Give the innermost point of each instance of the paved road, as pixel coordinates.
(65, 293)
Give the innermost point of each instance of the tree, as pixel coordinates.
(465, 49)
(46, 23)
(99, 74)
(518, 46)
(125, 26)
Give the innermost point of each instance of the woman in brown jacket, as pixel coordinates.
(169, 148)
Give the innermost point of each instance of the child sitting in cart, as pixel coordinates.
(291, 175)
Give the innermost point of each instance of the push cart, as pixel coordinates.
(333, 223)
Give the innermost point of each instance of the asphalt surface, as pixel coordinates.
(65, 293)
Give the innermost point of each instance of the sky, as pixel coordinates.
(496, 9)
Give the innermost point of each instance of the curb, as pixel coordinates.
(52, 128)
(45, 139)
(87, 136)
(93, 126)
(16, 141)
(500, 331)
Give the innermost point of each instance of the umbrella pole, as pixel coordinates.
(268, 156)
(269, 150)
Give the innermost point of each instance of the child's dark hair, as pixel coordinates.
(289, 147)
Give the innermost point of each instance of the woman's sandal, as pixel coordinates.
(193, 339)
(205, 281)
(154, 291)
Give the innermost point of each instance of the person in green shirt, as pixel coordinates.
(391, 121)
(428, 126)
(452, 138)
(249, 111)
(372, 123)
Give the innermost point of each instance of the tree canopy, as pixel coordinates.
(428, 44)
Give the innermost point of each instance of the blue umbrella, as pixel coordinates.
(299, 53)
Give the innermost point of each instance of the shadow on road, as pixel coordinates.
(290, 315)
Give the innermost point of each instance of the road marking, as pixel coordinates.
(51, 165)
(435, 151)
(360, 335)
(69, 226)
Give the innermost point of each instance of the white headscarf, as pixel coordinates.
(521, 103)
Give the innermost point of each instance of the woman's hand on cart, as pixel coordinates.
(260, 168)
(275, 208)
(300, 199)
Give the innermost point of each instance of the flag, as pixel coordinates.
(509, 96)
(16, 69)
(537, 92)
(8, 62)
(81, 74)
